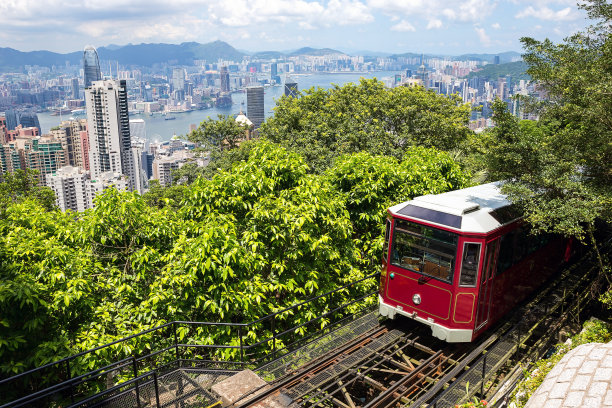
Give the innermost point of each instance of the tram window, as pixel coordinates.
(469, 264)
(428, 251)
(520, 245)
(386, 245)
(506, 250)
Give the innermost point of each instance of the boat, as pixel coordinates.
(170, 118)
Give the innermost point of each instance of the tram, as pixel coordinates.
(459, 261)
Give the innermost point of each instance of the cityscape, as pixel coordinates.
(98, 110)
(282, 203)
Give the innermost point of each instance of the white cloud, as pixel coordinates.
(496, 26)
(482, 36)
(546, 13)
(434, 23)
(464, 11)
(403, 26)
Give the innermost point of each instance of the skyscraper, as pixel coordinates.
(274, 73)
(255, 105)
(29, 119)
(12, 119)
(91, 66)
(225, 79)
(178, 79)
(75, 88)
(110, 145)
(291, 87)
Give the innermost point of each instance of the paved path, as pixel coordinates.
(583, 378)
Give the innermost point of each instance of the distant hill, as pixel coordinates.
(137, 55)
(14, 60)
(493, 71)
(184, 54)
(269, 55)
(314, 51)
(510, 56)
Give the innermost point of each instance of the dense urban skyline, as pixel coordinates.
(439, 26)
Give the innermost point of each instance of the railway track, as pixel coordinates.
(381, 367)
(399, 364)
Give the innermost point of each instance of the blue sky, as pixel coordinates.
(431, 26)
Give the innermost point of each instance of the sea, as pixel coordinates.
(159, 129)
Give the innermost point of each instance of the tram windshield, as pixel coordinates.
(428, 251)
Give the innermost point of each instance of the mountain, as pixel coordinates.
(139, 54)
(14, 60)
(314, 51)
(509, 56)
(493, 71)
(187, 52)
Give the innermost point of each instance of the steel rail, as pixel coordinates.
(305, 370)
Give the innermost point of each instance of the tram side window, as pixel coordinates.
(469, 264)
(386, 245)
(521, 245)
(506, 252)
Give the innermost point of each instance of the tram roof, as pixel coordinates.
(478, 209)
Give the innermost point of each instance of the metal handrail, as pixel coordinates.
(177, 345)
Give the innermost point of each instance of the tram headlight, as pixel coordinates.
(416, 299)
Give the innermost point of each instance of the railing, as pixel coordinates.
(139, 358)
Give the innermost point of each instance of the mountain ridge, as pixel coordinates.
(150, 54)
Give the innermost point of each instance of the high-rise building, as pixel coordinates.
(108, 126)
(29, 119)
(178, 79)
(71, 188)
(291, 87)
(70, 133)
(225, 79)
(75, 88)
(12, 119)
(91, 66)
(274, 73)
(255, 105)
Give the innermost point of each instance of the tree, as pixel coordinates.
(22, 185)
(371, 184)
(559, 168)
(222, 133)
(324, 124)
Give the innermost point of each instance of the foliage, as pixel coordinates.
(253, 239)
(558, 169)
(371, 184)
(594, 331)
(23, 185)
(324, 124)
(222, 133)
(160, 196)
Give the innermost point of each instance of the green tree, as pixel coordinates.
(558, 169)
(371, 184)
(324, 124)
(22, 185)
(222, 133)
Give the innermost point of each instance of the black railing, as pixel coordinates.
(136, 359)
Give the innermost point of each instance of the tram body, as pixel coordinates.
(460, 260)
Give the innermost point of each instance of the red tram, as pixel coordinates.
(460, 260)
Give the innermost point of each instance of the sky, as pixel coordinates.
(393, 26)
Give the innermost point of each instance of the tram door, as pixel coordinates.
(486, 284)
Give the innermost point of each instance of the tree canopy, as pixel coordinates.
(559, 168)
(253, 239)
(324, 124)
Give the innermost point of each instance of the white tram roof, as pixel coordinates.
(478, 209)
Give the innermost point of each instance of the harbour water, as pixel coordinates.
(160, 129)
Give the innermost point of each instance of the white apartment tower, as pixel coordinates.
(70, 185)
(109, 130)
